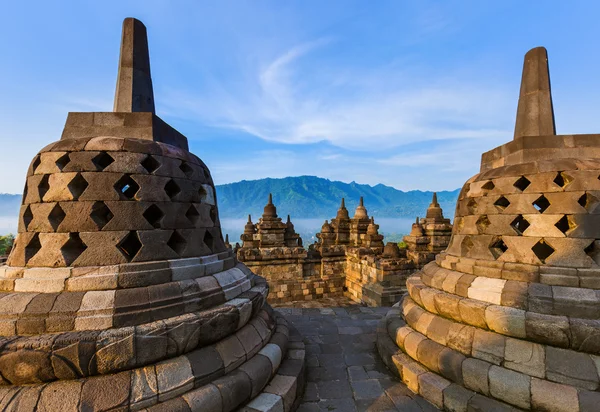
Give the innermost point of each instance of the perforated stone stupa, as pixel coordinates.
(509, 316)
(120, 293)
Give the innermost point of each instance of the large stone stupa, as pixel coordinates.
(508, 318)
(120, 293)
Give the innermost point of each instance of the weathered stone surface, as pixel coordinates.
(553, 397)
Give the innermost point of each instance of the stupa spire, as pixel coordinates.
(134, 84)
(535, 115)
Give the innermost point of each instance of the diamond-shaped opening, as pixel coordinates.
(150, 164)
(186, 169)
(209, 240)
(127, 187)
(43, 186)
(206, 172)
(542, 250)
(466, 245)
(482, 223)
(472, 206)
(489, 185)
(520, 224)
(154, 216)
(32, 247)
(101, 214)
(593, 251)
(36, 163)
(541, 204)
(562, 179)
(27, 217)
(192, 214)
(73, 248)
(565, 224)
(102, 160)
(213, 214)
(172, 189)
(63, 161)
(502, 203)
(177, 243)
(498, 247)
(202, 193)
(522, 183)
(56, 216)
(77, 186)
(130, 245)
(25, 189)
(588, 201)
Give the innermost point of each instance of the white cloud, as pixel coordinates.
(291, 100)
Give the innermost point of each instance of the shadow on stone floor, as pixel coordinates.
(343, 370)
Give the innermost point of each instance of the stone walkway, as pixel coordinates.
(344, 372)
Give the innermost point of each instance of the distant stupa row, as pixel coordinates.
(119, 293)
(508, 317)
(348, 259)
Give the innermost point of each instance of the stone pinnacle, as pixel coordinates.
(535, 115)
(134, 83)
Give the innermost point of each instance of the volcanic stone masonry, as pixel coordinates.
(348, 259)
(120, 293)
(508, 318)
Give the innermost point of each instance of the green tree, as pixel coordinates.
(6, 242)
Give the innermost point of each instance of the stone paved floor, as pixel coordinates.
(344, 372)
(340, 301)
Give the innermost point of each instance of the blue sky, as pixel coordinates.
(405, 93)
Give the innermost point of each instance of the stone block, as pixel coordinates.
(61, 395)
(144, 389)
(174, 377)
(553, 397)
(447, 305)
(525, 357)
(431, 387)
(438, 330)
(571, 368)
(410, 375)
(456, 398)
(460, 338)
(488, 346)
(259, 370)
(285, 387)
(274, 354)
(552, 330)
(473, 312)
(511, 387)
(428, 353)
(235, 389)
(475, 375)
(206, 399)
(106, 392)
(411, 344)
(487, 290)
(505, 320)
(585, 335)
(266, 402)
(232, 352)
(450, 365)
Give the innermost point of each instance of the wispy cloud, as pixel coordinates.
(291, 100)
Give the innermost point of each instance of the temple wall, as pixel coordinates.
(376, 281)
(300, 279)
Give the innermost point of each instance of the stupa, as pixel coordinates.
(508, 318)
(120, 293)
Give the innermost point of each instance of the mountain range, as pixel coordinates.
(306, 197)
(315, 197)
